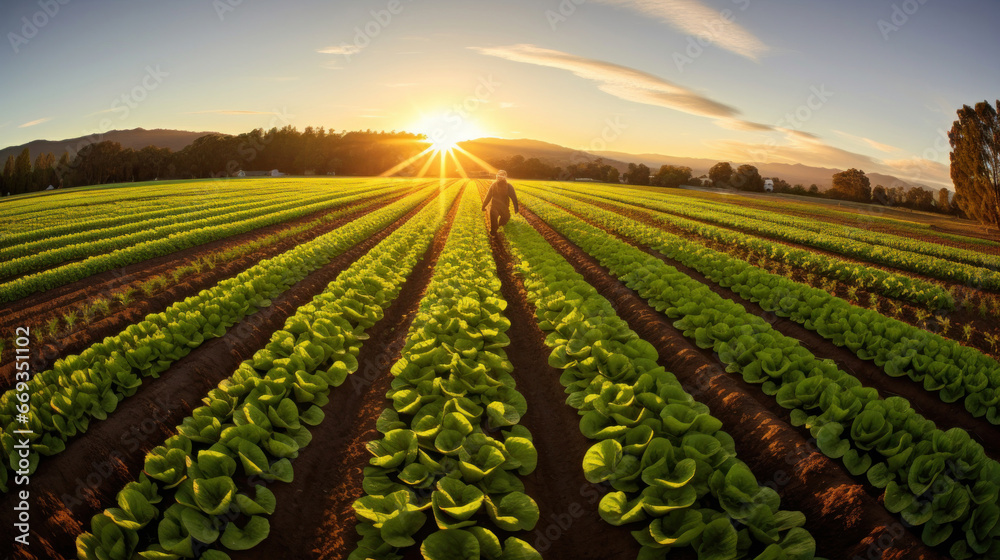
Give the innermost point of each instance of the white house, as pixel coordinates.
(768, 185)
(276, 173)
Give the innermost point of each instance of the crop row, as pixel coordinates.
(873, 279)
(145, 250)
(926, 265)
(203, 483)
(132, 234)
(940, 481)
(876, 217)
(52, 249)
(942, 365)
(946, 252)
(141, 210)
(452, 392)
(670, 463)
(80, 389)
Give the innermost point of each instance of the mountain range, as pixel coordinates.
(490, 149)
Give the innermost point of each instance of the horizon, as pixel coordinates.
(630, 76)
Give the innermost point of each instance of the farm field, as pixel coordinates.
(355, 368)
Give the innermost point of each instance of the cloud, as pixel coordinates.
(620, 81)
(507, 104)
(229, 112)
(694, 18)
(877, 145)
(342, 49)
(808, 149)
(922, 170)
(34, 122)
(279, 78)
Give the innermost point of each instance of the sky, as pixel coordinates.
(872, 84)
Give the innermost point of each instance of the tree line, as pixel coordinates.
(311, 151)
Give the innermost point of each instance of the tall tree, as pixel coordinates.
(671, 176)
(721, 173)
(22, 172)
(852, 184)
(8, 176)
(747, 178)
(637, 174)
(975, 161)
(943, 202)
(880, 195)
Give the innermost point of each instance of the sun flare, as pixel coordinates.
(445, 129)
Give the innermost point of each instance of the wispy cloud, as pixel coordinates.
(920, 169)
(877, 145)
(34, 122)
(507, 104)
(229, 112)
(626, 83)
(694, 18)
(342, 49)
(808, 149)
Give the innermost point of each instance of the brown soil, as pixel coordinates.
(314, 517)
(890, 307)
(84, 479)
(37, 310)
(569, 526)
(928, 404)
(843, 518)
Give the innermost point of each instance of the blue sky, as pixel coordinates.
(862, 83)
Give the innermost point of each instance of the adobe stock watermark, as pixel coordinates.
(223, 7)
(794, 120)
(900, 16)
(456, 117)
(613, 129)
(713, 29)
(33, 24)
(371, 30)
(121, 106)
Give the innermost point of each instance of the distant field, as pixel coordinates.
(354, 368)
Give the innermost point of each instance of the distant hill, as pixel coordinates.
(551, 154)
(486, 148)
(793, 173)
(136, 138)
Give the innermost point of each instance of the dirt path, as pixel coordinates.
(314, 517)
(569, 526)
(123, 316)
(84, 479)
(843, 518)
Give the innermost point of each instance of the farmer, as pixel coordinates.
(498, 193)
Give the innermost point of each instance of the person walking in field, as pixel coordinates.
(498, 196)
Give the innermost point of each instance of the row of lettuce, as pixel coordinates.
(876, 280)
(939, 481)
(189, 235)
(452, 444)
(674, 472)
(85, 388)
(67, 219)
(854, 245)
(51, 248)
(953, 371)
(955, 254)
(917, 229)
(61, 211)
(205, 491)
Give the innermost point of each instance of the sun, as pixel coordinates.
(445, 129)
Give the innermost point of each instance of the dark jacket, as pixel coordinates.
(499, 193)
